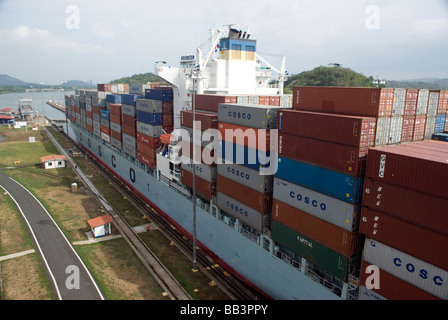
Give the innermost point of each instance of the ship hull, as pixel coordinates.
(254, 264)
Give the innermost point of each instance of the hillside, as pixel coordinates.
(8, 81)
(141, 78)
(329, 76)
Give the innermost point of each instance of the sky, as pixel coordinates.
(49, 41)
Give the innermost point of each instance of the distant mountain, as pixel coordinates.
(141, 78)
(427, 83)
(6, 81)
(78, 84)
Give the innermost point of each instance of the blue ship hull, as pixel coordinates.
(264, 270)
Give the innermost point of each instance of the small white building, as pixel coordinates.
(100, 226)
(53, 161)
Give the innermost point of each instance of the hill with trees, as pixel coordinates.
(141, 78)
(330, 77)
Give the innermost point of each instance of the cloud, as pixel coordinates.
(36, 38)
(102, 30)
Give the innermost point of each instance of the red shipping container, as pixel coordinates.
(167, 107)
(346, 159)
(203, 187)
(128, 120)
(168, 129)
(89, 128)
(416, 241)
(115, 135)
(343, 129)
(261, 202)
(370, 102)
(407, 131)
(210, 102)
(419, 127)
(126, 87)
(149, 141)
(342, 241)
(259, 139)
(393, 288)
(115, 118)
(263, 100)
(207, 120)
(203, 155)
(443, 102)
(146, 150)
(411, 206)
(410, 105)
(274, 101)
(105, 130)
(89, 114)
(115, 109)
(104, 87)
(167, 119)
(129, 130)
(418, 165)
(150, 162)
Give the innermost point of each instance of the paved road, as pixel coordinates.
(57, 254)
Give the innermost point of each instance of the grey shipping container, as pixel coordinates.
(422, 101)
(247, 176)
(105, 123)
(332, 210)
(115, 127)
(433, 103)
(150, 106)
(96, 124)
(206, 172)
(396, 128)
(97, 132)
(240, 211)
(128, 139)
(382, 131)
(149, 130)
(130, 150)
(115, 143)
(247, 115)
(128, 109)
(96, 117)
(408, 268)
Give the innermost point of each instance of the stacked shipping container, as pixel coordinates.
(205, 166)
(244, 149)
(317, 187)
(404, 216)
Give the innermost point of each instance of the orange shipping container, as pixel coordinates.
(342, 241)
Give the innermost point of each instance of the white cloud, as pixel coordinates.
(102, 30)
(36, 38)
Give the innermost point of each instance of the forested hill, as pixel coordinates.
(329, 76)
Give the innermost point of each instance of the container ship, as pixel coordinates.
(302, 196)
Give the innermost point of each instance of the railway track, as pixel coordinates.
(231, 285)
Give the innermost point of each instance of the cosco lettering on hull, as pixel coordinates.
(424, 274)
(307, 200)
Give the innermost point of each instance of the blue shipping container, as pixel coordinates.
(159, 94)
(440, 123)
(331, 183)
(105, 114)
(251, 158)
(113, 98)
(130, 99)
(154, 119)
(440, 136)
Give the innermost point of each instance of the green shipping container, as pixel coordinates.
(312, 251)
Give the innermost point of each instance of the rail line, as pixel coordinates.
(162, 275)
(235, 288)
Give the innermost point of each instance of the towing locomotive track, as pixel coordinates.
(235, 288)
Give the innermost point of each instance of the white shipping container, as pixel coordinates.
(332, 210)
(422, 101)
(149, 130)
(246, 176)
(128, 139)
(115, 127)
(240, 211)
(130, 150)
(96, 117)
(88, 102)
(206, 172)
(433, 103)
(407, 268)
(105, 137)
(89, 121)
(399, 102)
(382, 131)
(367, 294)
(88, 108)
(128, 110)
(115, 143)
(96, 124)
(97, 132)
(430, 127)
(396, 127)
